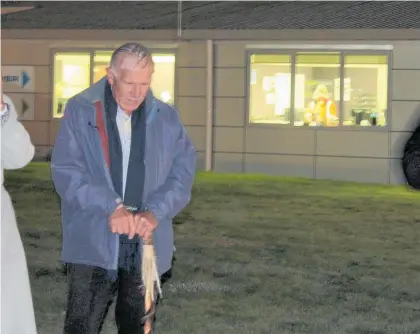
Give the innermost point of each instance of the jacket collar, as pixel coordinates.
(96, 92)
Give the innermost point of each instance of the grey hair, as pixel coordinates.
(136, 50)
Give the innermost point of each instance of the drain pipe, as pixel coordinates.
(179, 16)
(209, 119)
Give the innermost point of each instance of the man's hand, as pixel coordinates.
(122, 222)
(145, 223)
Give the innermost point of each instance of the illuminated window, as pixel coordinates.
(100, 63)
(270, 89)
(163, 80)
(317, 86)
(318, 98)
(71, 76)
(367, 102)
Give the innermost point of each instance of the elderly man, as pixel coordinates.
(123, 166)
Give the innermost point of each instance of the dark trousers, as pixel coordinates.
(90, 294)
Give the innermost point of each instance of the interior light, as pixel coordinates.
(103, 57)
(165, 96)
(164, 59)
(72, 74)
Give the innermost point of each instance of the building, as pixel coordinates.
(312, 89)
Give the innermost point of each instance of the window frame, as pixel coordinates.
(91, 52)
(292, 52)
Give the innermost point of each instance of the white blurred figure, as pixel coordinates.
(17, 312)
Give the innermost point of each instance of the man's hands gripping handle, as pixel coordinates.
(123, 221)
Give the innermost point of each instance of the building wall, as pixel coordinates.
(36, 54)
(366, 155)
(405, 101)
(351, 154)
(191, 93)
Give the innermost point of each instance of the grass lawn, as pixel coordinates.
(259, 255)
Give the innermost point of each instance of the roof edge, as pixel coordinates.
(239, 35)
(10, 10)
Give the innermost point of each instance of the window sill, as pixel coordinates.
(320, 128)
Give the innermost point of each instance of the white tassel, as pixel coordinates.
(149, 271)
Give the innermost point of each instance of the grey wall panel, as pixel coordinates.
(192, 82)
(405, 85)
(230, 55)
(398, 140)
(25, 52)
(397, 175)
(352, 169)
(353, 143)
(198, 136)
(227, 162)
(192, 54)
(280, 140)
(200, 161)
(228, 139)
(192, 110)
(405, 115)
(229, 82)
(406, 55)
(229, 111)
(282, 165)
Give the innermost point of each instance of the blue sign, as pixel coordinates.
(22, 79)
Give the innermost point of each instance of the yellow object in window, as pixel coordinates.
(323, 110)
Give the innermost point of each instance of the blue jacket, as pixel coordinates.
(82, 180)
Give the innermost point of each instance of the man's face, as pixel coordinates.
(131, 83)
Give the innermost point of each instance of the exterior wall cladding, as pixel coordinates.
(353, 154)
